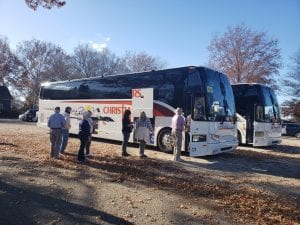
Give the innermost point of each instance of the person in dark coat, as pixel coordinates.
(84, 133)
(127, 126)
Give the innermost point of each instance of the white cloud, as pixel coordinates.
(101, 45)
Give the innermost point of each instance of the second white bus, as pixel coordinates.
(258, 115)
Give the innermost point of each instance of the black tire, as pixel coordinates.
(164, 141)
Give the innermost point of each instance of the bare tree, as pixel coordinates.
(37, 59)
(292, 83)
(291, 88)
(48, 4)
(86, 61)
(139, 62)
(60, 68)
(91, 63)
(11, 73)
(245, 55)
(111, 64)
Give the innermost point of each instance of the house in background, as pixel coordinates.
(5, 100)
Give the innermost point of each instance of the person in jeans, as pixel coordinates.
(143, 129)
(84, 133)
(89, 141)
(65, 130)
(56, 122)
(126, 130)
(178, 124)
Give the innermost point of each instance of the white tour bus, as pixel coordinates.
(205, 95)
(258, 115)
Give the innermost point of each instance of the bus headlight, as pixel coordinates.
(215, 137)
(259, 133)
(198, 138)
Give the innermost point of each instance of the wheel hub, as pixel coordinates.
(167, 141)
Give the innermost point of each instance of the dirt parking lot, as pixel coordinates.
(247, 186)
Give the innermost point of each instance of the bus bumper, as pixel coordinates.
(213, 149)
(264, 141)
(225, 147)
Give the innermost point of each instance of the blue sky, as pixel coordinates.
(177, 31)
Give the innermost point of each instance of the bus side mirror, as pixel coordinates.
(216, 107)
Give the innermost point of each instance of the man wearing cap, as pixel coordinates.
(56, 122)
(178, 124)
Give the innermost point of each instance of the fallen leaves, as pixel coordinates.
(236, 197)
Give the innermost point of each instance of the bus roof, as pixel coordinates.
(114, 75)
(250, 84)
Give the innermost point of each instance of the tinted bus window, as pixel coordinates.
(217, 104)
(228, 100)
(60, 91)
(271, 109)
(194, 82)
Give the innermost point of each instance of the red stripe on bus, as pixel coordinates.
(160, 110)
(125, 102)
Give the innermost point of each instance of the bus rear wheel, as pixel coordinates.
(165, 141)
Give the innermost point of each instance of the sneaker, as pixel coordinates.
(125, 154)
(143, 156)
(62, 152)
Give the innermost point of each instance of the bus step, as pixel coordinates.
(224, 149)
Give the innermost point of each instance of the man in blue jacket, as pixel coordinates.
(56, 122)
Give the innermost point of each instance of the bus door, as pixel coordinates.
(199, 127)
(142, 100)
(187, 111)
(250, 125)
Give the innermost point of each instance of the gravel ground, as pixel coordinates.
(247, 186)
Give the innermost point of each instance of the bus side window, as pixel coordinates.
(84, 91)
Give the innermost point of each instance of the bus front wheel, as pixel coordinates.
(165, 141)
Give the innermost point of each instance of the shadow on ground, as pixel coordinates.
(46, 208)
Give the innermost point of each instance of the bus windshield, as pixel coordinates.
(271, 107)
(220, 99)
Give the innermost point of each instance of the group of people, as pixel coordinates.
(60, 124)
(59, 133)
(144, 131)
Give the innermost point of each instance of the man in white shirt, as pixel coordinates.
(178, 125)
